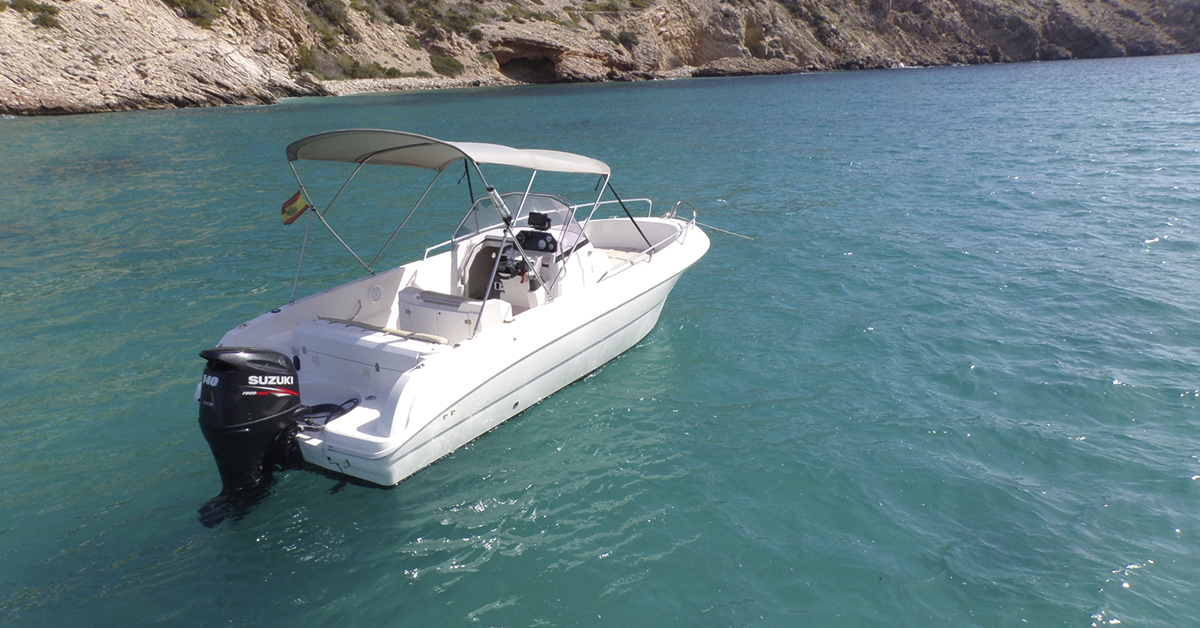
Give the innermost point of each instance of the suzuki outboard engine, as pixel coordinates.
(249, 405)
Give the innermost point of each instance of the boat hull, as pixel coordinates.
(377, 378)
(412, 395)
(547, 350)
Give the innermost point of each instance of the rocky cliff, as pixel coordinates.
(103, 55)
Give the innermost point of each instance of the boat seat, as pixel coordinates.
(446, 315)
(388, 330)
(619, 256)
(341, 359)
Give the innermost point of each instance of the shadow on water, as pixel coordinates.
(233, 505)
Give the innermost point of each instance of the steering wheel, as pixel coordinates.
(511, 264)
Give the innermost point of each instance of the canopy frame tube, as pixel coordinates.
(396, 148)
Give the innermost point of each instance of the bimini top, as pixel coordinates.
(397, 148)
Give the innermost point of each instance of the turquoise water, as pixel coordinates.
(951, 382)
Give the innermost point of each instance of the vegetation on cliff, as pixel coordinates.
(41, 14)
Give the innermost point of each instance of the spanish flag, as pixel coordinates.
(293, 207)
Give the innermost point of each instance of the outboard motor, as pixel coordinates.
(249, 405)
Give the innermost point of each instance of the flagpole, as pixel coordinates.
(307, 228)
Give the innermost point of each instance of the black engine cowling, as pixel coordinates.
(249, 404)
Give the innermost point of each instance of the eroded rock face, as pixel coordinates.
(129, 54)
(549, 53)
(134, 54)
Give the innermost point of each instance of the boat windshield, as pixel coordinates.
(484, 216)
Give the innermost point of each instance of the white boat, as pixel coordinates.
(380, 377)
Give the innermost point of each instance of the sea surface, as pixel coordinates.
(952, 381)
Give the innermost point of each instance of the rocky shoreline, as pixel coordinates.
(81, 56)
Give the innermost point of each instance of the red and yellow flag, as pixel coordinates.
(293, 207)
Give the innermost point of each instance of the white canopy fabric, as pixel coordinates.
(397, 148)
